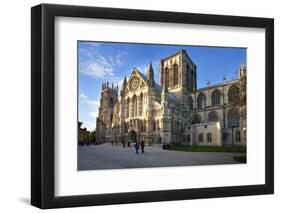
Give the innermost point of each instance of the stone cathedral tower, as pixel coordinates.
(108, 100)
(178, 74)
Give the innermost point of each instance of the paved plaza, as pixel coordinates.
(106, 156)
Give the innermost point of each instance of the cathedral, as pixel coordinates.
(176, 111)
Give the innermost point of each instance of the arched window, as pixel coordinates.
(233, 118)
(201, 101)
(135, 106)
(209, 137)
(176, 74)
(167, 77)
(200, 138)
(140, 104)
(233, 94)
(195, 119)
(213, 116)
(216, 97)
(127, 107)
(190, 102)
(192, 79)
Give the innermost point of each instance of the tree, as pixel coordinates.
(92, 136)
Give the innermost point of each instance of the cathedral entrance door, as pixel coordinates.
(133, 136)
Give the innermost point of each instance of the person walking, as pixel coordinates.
(129, 144)
(137, 146)
(142, 146)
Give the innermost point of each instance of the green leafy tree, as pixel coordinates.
(92, 136)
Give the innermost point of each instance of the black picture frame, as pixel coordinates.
(43, 102)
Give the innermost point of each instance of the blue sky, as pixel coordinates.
(104, 61)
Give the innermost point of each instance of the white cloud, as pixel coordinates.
(83, 96)
(97, 70)
(85, 99)
(98, 66)
(93, 114)
(119, 58)
(89, 125)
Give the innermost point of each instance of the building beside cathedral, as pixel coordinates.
(176, 111)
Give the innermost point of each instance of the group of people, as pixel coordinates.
(138, 145)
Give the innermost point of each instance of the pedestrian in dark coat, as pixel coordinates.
(137, 147)
(142, 146)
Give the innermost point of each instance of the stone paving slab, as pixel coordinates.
(106, 156)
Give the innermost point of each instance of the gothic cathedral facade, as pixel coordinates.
(176, 111)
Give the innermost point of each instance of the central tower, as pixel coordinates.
(178, 74)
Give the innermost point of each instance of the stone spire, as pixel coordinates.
(164, 93)
(242, 69)
(150, 75)
(124, 83)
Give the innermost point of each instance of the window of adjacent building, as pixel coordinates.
(238, 135)
(209, 137)
(233, 118)
(213, 116)
(216, 97)
(200, 138)
(195, 119)
(233, 94)
(201, 101)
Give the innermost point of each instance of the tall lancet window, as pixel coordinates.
(135, 106)
(140, 104)
(216, 97)
(201, 101)
(176, 74)
(233, 94)
(127, 108)
(233, 118)
(167, 77)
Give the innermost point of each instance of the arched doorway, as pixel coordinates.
(133, 136)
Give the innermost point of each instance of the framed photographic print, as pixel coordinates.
(141, 106)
